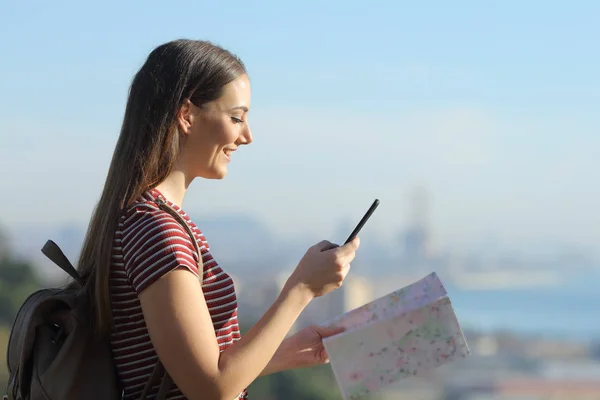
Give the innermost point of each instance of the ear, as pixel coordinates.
(184, 117)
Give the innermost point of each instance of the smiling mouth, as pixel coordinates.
(228, 152)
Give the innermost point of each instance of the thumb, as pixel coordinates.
(325, 245)
(327, 331)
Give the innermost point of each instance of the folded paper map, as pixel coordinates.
(396, 336)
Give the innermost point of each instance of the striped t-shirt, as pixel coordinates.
(149, 243)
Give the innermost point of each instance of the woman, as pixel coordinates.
(186, 115)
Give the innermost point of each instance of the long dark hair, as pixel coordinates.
(148, 146)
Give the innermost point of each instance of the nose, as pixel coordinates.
(246, 136)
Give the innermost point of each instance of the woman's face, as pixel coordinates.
(213, 132)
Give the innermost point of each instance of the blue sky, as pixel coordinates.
(494, 109)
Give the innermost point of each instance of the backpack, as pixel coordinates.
(53, 353)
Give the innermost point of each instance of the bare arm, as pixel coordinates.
(180, 325)
(183, 335)
(281, 361)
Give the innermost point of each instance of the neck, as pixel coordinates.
(174, 187)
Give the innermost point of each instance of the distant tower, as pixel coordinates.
(416, 236)
(355, 292)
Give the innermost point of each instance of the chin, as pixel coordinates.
(215, 174)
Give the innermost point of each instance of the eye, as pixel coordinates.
(236, 120)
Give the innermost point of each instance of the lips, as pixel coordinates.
(228, 152)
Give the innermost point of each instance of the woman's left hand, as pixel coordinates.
(305, 348)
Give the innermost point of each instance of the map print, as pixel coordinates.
(418, 294)
(397, 336)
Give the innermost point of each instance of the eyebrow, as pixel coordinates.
(243, 108)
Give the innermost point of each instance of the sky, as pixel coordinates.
(491, 107)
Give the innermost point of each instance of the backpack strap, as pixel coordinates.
(54, 253)
(165, 207)
(159, 374)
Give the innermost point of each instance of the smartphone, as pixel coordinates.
(363, 221)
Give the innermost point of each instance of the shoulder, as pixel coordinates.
(142, 214)
(153, 243)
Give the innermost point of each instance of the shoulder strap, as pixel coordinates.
(159, 374)
(165, 207)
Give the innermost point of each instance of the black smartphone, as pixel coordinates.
(363, 221)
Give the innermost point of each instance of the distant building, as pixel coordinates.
(415, 239)
(414, 244)
(355, 292)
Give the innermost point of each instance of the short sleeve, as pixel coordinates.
(154, 243)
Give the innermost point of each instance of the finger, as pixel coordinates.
(345, 270)
(350, 247)
(323, 356)
(323, 244)
(347, 257)
(355, 243)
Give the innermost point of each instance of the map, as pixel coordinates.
(394, 337)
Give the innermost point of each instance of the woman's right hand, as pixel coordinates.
(323, 267)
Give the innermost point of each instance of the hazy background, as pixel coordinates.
(475, 123)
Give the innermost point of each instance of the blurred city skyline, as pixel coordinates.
(551, 293)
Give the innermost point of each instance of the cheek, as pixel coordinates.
(213, 135)
(228, 134)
